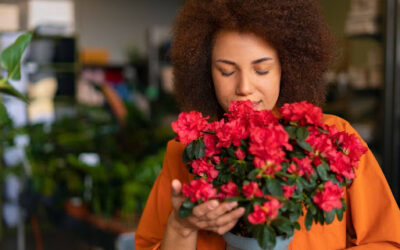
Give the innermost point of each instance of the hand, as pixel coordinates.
(211, 215)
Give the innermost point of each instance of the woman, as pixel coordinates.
(269, 52)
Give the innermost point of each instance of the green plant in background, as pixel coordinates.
(130, 157)
(10, 62)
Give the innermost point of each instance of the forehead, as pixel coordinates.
(239, 44)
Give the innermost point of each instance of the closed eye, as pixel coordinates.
(262, 72)
(227, 74)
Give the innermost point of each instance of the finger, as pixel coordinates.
(228, 218)
(222, 230)
(204, 208)
(220, 210)
(176, 195)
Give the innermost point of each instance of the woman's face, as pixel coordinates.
(245, 67)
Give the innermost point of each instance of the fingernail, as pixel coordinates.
(213, 204)
(233, 204)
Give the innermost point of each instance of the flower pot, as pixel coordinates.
(234, 242)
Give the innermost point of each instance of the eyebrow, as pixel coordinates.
(253, 62)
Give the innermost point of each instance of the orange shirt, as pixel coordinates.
(371, 221)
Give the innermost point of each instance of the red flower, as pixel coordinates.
(230, 189)
(231, 133)
(302, 112)
(216, 159)
(240, 154)
(320, 142)
(214, 126)
(189, 126)
(288, 191)
(304, 165)
(250, 190)
(267, 143)
(262, 118)
(240, 109)
(258, 216)
(199, 189)
(272, 207)
(211, 145)
(203, 167)
(351, 145)
(330, 197)
(340, 164)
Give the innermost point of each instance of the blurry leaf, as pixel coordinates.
(11, 56)
(3, 114)
(252, 175)
(301, 133)
(6, 88)
(320, 217)
(266, 238)
(339, 213)
(188, 204)
(184, 212)
(294, 215)
(189, 151)
(284, 225)
(322, 171)
(291, 130)
(330, 216)
(274, 187)
(305, 145)
(199, 150)
(236, 198)
(308, 221)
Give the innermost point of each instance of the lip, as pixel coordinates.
(257, 104)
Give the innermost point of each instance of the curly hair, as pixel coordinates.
(295, 28)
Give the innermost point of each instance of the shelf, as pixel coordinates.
(377, 37)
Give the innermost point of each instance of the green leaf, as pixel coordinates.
(185, 157)
(7, 88)
(236, 198)
(266, 238)
(305, 145)
(188, 204)
(274, 187)
(231, 153)
(299, 185)
(284, 225)
(330, 216)
(3, 114)
(184, 212)
(253, 174)
(319, 218)
(301, 133)
(339, 213)
(190, 151)
(291, 131)
(199, 151)
(323, 171)
(11, 56)
(294, 215)
(308, 221)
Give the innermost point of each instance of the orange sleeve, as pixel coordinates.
(153, 221)
(373, 217)
(154, 218)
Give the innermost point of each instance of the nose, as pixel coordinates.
(245, 86)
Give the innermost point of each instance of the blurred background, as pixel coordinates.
(79, 160)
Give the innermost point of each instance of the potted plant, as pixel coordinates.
(275, 166)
